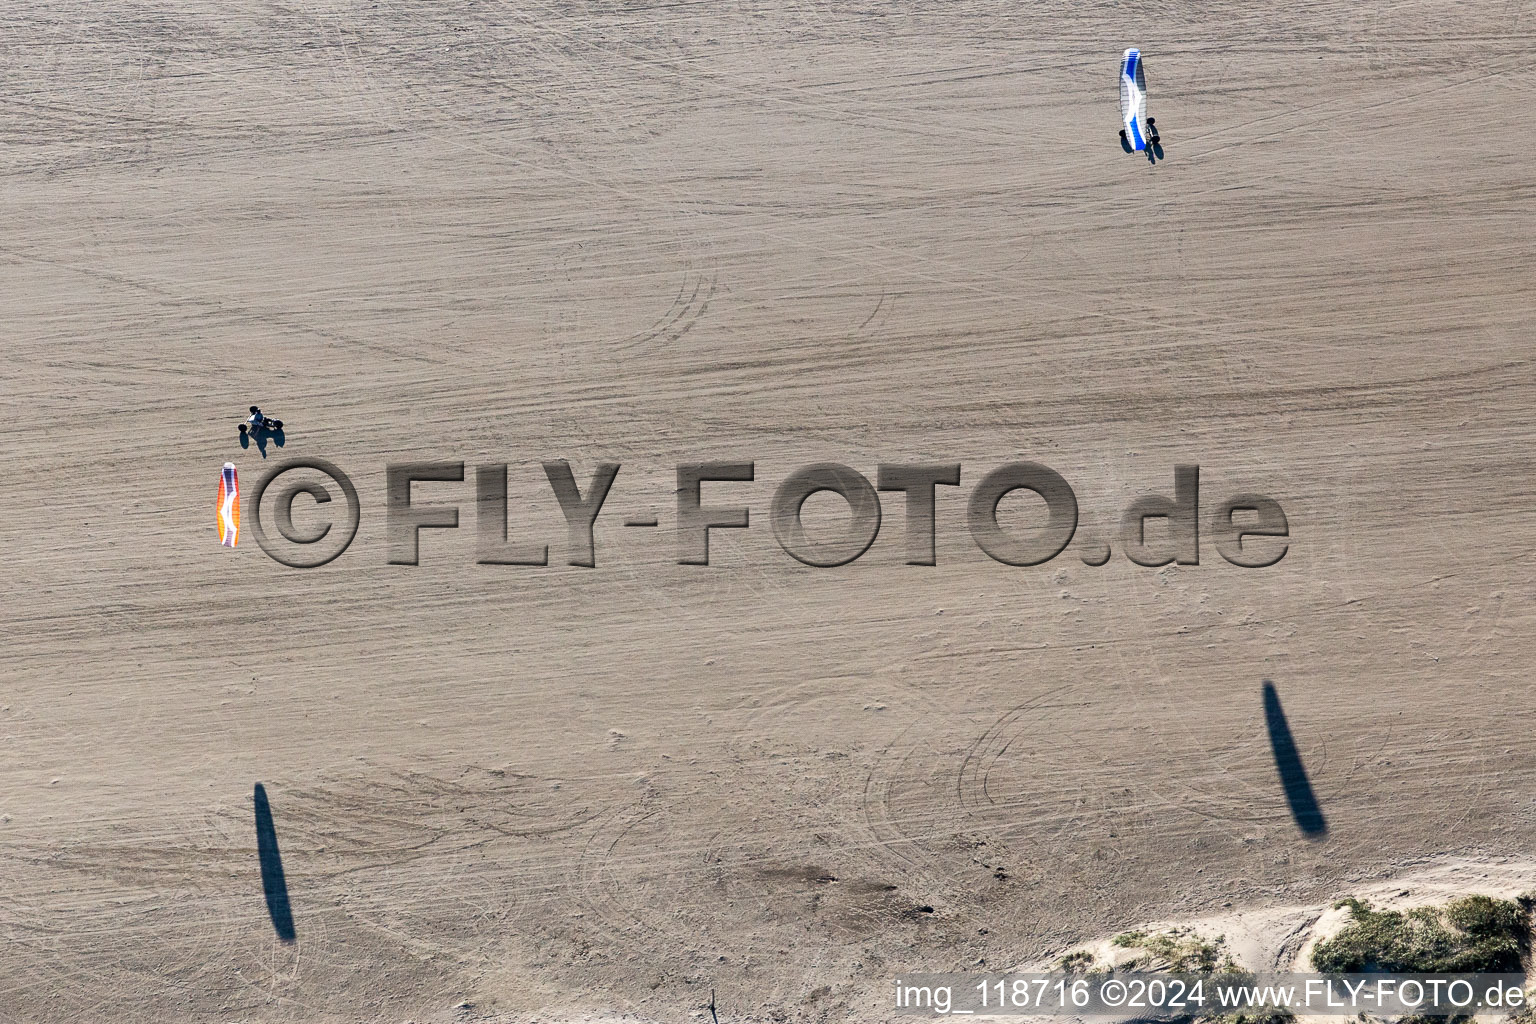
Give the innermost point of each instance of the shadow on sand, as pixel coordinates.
(262, 436)
(1293, 775)
(1154, 150)
(273, 885)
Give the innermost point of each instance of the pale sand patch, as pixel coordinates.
(1281, 938)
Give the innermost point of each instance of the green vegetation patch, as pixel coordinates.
(1076, 962)
(1469, 935)
(1259, 1015)
(1179, 950)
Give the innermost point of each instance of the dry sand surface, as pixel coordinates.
(787, 233)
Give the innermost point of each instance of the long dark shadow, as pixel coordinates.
(1293, 775)
(273, 884)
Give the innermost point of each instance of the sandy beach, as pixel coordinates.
(785, 234)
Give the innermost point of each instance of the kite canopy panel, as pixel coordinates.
(228, 506)
(1133, 99)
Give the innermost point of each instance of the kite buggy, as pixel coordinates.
(255, 423)
(1152, 124)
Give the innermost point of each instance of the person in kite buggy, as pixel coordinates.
(256, 422)
(1151, 123)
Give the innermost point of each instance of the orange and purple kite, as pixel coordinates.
(229, 506)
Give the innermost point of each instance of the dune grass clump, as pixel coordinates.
(1075, 962)
(1178, 950)
(1470, 935)
(1259, 1015)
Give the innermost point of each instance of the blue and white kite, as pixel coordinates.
(1140, 131)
